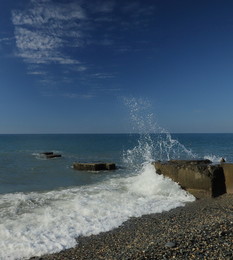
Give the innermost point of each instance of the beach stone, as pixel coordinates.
(170, 244)
(94, 166)
(222, 233)
(195, 232)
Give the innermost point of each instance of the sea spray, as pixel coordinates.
(147, 183)
(39, 223)
(154, 142)
(213, 158)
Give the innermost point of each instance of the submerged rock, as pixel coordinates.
(53, 156)
(50, 155)
(94, 166)
(47, 153)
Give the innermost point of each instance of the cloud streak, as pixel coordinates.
(43, 12)
(46, 29)
(58, 38)
(103, 76)
(42, 31)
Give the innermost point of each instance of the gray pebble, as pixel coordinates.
(170, 244)
(182, 233)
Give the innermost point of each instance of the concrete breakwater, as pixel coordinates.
(50, 155)
(94, 166)
(199, 177)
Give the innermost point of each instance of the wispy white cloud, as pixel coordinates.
(81, 68)
(48, 84)
(102, 6)
(68, 95)
(45, 29)
(45, 57)
(55, 35)
(136, 9)
(42, 30)
(64, 60)
(44, 12)
(78, 96)
(140, 15)
(103, 75)
(6, 39)
(35, 40)
(6, 42)
(103, 42)
(37, 73)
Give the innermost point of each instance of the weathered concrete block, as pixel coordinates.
(94, 166)
(199, 177)
(50, 155)
(47, 153)
(110, 166)
(228, 173)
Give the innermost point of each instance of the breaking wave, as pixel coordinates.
(33, 224)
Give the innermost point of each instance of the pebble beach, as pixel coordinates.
(200, 230)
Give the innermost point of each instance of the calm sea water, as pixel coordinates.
(22, 168)
(45, 204)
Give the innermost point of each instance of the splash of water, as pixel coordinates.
(154, 143)
(213, 158)
(41, 223)
(81, 211)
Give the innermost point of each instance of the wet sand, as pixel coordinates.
(201, 230)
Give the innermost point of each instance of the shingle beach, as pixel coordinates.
(201, 230)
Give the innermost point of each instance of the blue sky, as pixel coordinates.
(67, 66)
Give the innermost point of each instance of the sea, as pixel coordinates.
(45, 204)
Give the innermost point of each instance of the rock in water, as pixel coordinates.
(94, 166)
(50, 155)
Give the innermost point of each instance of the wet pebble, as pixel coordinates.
(183, 233)
(170, 244)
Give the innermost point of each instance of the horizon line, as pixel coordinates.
(129, 133)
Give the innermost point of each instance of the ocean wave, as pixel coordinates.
(38, 223)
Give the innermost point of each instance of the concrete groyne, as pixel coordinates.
(199, 177)
(94, 166)
(50, 155)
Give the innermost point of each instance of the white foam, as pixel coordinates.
(39, 156)
(38, 223)
(213, 158)
(155, 142)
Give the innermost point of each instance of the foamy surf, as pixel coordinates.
(39, 223)
(213, 158)
(35, 223)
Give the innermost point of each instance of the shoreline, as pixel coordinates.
(202, 229)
